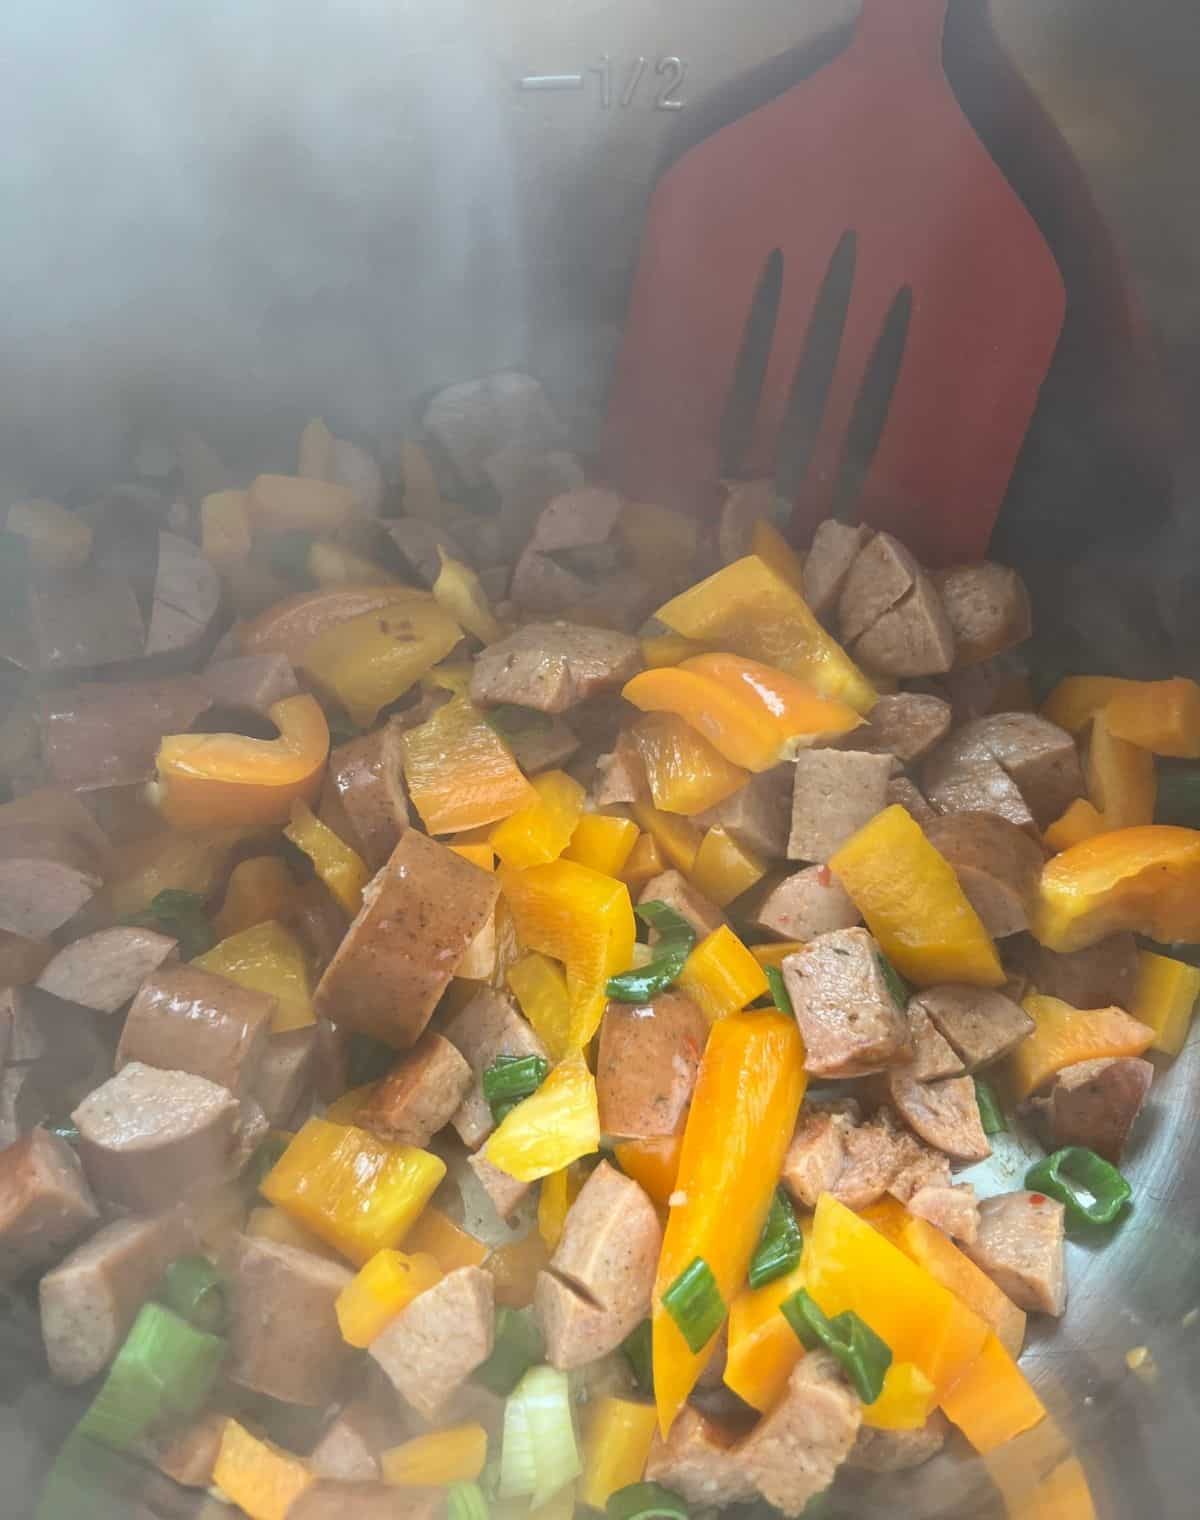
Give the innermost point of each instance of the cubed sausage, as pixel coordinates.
(540, 741)
(434, 1345)
(953, 1208)
(944, 1114)
(673, 888)
(417, 542)
(187, 594)
(835, 792)
(1095, 1104)
(45, 1203)
(103, 970)
(816, 1155)
(962, 776)
(286, 1074)
(902, 790)
(89, 1301)
(147, 1136)
(420, 912)
(881, 573)
(46, 876)
(250, 682)
(366, 776)
(876, 1155)
(988, 607)
(649, 1057)
(1098, 977)
(933, 1056)
(620, 774)
(906, 724)
(350, 1446)
(794, 1451)
(746, 503)
(507, 1193)
(758, 815)
(885, 1451)
(1021, 1246)
(597, 1289)
(802, 906)
(284, 1338)
(107, 733)
(913, 638)
(698, 1462)
(834, 549)
(997, 685)
(1040, 757)
(317, 921)
(554, 666)
(419, 1095)
(186, 1019)
(997, 864)
(489, 1026)
(577, 520)
(844, 1007)
(980, 1023)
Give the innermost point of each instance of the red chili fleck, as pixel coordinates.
(824, 875)
(1036, 1198)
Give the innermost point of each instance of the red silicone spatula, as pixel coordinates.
(874, 145)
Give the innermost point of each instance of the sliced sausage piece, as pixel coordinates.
(746, 501)
(105, 969)
(419, 1095)
(354, 467)
(83, 618)
(420, 913)
(881, 573)
(620, 775)
(885, 1451)
(1095, 1104)
(554, 666)
(46, 876)
(350, 1447)
(286, 1074)
(794, 1451)
(366, 775)
(648, 1061)
(979, 1023)
(1021, 1246)
(434, 1345)
(1098, 977)
(934, 1058)
(910, 797)
(147, 1136)
(317, 920)
(1040, 757)
(674, 889)
(758, 815)
(507, 1193)
(835, 547)
(944, 1114)
(45, 1202)
(597, 1290)
(89, 1301)
(489, 1026)
(187, 594)
(850, 1022)
(988, 607)
(913, 638)
(876, 1154)
(698, 1462)
(835, 792)
(252, 682)
(577, 520)
(906, 724)
(284, 1338)
(107, 734)
(541, 741)
(962, 776)
(804, 905)
(997, 864)
(993, 686)
(186, 1019)
(817, 1153)
(954, 1209)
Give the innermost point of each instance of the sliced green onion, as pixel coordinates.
(896, 985)
(194, 1288)
(675, 940)
(517, 1346)
(1058, 1175)
(694, 1302)
(863, 1355)
(465, 1501)
(166, 1368)
(183, 916)
(991, 1115)
(539, 1454)
(509, 1080)
(780, 1245)
(638, 1349)
(779, 993)
(645, 1501)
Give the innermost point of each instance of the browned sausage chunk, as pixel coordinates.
(883, 1451)
(674, 889)
(187, 594)
(747, 502)
(507, 1193)
(892, 615)
(906, 724)
(943, 1114)
(835, 793)
(1095, 1104)
(877, 1154)
(46, 876)
(647, 1065)
(802, 906)
(962, 776)
(286, 1075)
(1039, 756)
(881, 573)
(349, 1449)
(539, 741)
(934, 1058)
(45, 1203)
(105, 969)
(911, 799)
(554, 666)
(1098, 977)
(850, 1022)
(817, 1153)
(698, 1461)
(759, 814)
(1021, 1247)
(980, 1024)
(431, 1348)
(419, 915)
(834, 549)
(489, 1026)
(252, 682)
(186, 1019)
(988, 608)
(997, 864)
(107, 734)
(366, 775)
(284, 1339)
(597, 1289)
(419, 1095)
(620, 775)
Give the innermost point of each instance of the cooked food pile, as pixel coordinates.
(501, 1000)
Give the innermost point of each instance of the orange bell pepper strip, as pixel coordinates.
(602, 842)
(763, 1347)
(435, 1234)
(456, 1455)
(1076, 700)
(1164, 999)
(653, 1165)
(721, 975)
(261, 1479)
(749, 608)
(1064, 1035)
(258, 889)
(1080, 821)
(747, 1097)
(615, 1448)
(460, 772)
(514, 1268)
(1121, 778)
(380, 1289)
(913, 904)
(342, 869)
(905, 1401)
(559, 1124)
(724, 868)
(289, 627)
(1161, 716)
(1146, 879)
(540, 987)
(992, 1402)
(539, 833)
(802, 712)
(214, 781)
(685, 773)
(269, 958)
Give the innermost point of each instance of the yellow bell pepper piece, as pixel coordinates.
(992, 1402)
(685, 773)
(261, 1479)
(213, 781)
(379, 1290)
(459, 593)
(368, 661)
(225, 536)
(615, 1448)
(1145, 879)
(295, 504)
(905, 1402)
(481, 855)
(670, 649)
(57, 539)
(581, 918)
(659, 540)
(456, 1455)
(849, 1265)
(749, 608)
(1080, 821)
(332, 564)
(342, 869)
(677, 839)
(435, 1234)
(913, 905)
(267, 958)
(269, 1223)
(559, 1191)
(350, 1188)
(460, 772)
(537, 834)
(290, 626)
(602, 842)
(346, 1109)
(645, 862)
(763, 1347)
(1164, 999)
(769, 544)
(557, 1125)
(748, 1094)
(1076, 700)
(1121, 778)
(721, 975)
(1064, 1035)
(653, 1165)
(540, 987)
(1161, 716)
(773, 955)
(258, 889)
(514, 1268)
(724, 869)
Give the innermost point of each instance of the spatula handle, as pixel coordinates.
(896, 27)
